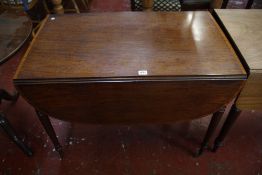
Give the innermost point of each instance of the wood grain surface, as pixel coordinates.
(244, 27)
(250, 97)
(89, 72)
(131, 102)
(183, 44)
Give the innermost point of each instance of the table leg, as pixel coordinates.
(44, 119)
(11, 133)
(231, 118)
(211, 129)
(4, 95)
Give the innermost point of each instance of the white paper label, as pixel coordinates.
(142, 72)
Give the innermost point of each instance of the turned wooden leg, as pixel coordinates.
(11, 133)
(210, 131)
(58, 7)
(44, 119)
(231, 118)
(4, 95)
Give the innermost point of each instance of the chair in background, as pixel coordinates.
(175, 5)
(60, 7)
(248, 5)
(57, 5)
(31, 7)
(156, 5)
(4, 123)
(16, 29)
(76, 8)
(35, 9)
(201, 4)
(17, 4)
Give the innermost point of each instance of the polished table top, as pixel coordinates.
(130, 66)
(245, 29)
(15, 29)
(112, 45)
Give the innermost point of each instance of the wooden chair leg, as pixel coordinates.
(4, 95)
(85, 4)
(44, 119)
(211, 129)
(231, 118)
(11, 133)
(76, 6)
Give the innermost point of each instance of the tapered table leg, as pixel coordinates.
(211, 129)
(231, 118)
(44, 119)
(4, 95)
(11, 133)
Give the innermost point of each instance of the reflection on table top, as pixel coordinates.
(120, 44)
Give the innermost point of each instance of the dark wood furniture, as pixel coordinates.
(130, 67)
(15, 29)
(243, 27)
(4, 123)
(156, 5)
(185, 4)
(248, 5)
